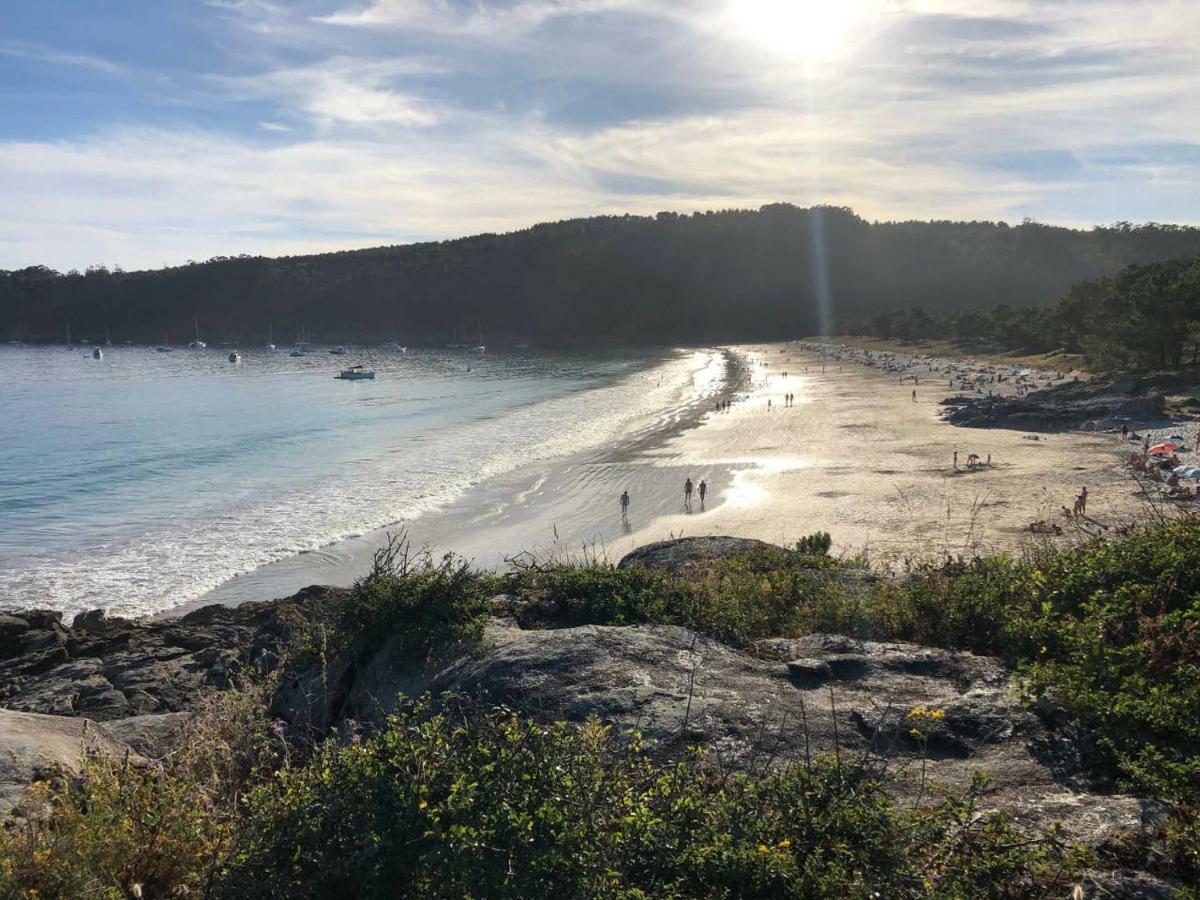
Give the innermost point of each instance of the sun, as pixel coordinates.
(809, 29)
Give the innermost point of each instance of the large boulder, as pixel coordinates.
(34, 746)
(679, 555)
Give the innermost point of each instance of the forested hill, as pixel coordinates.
(722, 275)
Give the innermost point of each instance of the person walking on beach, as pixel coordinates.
(687, 493)
(624, 505)
(703, 491)
(955, 460)
(1082, 502)
(914, 395)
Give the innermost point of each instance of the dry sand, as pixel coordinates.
(854, 457)
(858, 458)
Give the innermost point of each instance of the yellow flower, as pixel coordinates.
(915, 732)
(785, 843)
(938, 714)
(763, 848)
(422, 805)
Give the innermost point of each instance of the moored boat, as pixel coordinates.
(356, 373)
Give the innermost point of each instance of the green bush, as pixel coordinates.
(420, 605)
(113, 829)
(818, 542)
(493, 805)
(736, 599)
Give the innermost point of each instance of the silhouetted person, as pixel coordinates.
(687, 492)
(703, 491)
(624, 504)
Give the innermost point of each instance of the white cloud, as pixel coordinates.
(470, 18)
(1074, 112)
(340, 91)
(54, 57)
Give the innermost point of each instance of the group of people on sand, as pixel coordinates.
(1163, 466)
(688, 490)
(974, 461)
(1078, 511)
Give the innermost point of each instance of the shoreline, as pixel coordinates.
(531, 506)
(884, 486)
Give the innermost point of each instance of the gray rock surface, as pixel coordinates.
(152, 735)
(1066, 406)
(34, 746)
(681, 554)
(817, 694)
(113, 668)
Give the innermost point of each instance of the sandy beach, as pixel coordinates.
(854, 456)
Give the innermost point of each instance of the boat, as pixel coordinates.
(271, 337)
(356, 373)
(197, 344)
(338, 351)
(97, 353)
(235, 357)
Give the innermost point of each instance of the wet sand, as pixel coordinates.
(854, 457)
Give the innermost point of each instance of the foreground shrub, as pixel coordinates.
(420, 605)
(115, 829)
(736, 599)
(450, 805)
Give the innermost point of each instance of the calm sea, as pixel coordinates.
(143, 480)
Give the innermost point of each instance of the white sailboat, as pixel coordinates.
(197, 344)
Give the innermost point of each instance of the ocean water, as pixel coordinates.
(143, 480)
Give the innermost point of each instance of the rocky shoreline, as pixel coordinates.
(1097, 405)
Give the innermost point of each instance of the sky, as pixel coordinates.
(144, 133)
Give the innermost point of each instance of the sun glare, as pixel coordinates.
(811, 29)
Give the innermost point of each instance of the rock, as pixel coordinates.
(505, 605)
(107, 667)
(97, 621)
(12, 629)
(42, 619)
(686, 553)
(1065, 406)
(815, 694)
(809, 669)
(152, 736)
(34, 746)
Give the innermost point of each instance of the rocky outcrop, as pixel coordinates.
(112, 668)
(932, 716)
(925, 715)
(35, 747)
(680, 555)
(1087, 405)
